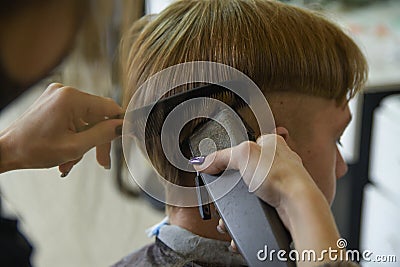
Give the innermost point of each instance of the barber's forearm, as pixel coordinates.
(312, 225)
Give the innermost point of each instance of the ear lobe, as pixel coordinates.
(282, 131)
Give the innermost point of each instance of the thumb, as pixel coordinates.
(216, 162)
(101, 133)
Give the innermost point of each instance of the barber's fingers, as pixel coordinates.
(84, 107)
(270, 141)
(215, 162)
(234, 247)
(267, 151)
(96, 108)
(66, 167)
(253, 160)
(243, 157)
(53, 87)
(103, 155)
(221, 228)
(229, 158)
(100, 134)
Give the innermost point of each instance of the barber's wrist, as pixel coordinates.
(302, 199)
(305, 203)
(311, 220)
(298, 186)
(8, 159)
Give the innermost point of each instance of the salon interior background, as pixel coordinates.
(85, 220)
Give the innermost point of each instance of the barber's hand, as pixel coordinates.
(58, 129)
(287, 186)
(274, 177)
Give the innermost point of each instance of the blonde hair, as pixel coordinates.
(282, 48)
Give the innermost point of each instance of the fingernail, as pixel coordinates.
(197, 160)
(64, 174)
(118, 130)
(220, 230)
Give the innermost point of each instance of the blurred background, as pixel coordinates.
(94, 217)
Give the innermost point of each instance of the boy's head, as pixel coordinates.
(305, 66)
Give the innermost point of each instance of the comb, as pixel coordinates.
(148, 120)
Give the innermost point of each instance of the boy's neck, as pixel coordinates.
(189, 219)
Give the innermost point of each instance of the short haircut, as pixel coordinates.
(282, 48)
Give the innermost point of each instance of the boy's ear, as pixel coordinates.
(282, 131)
